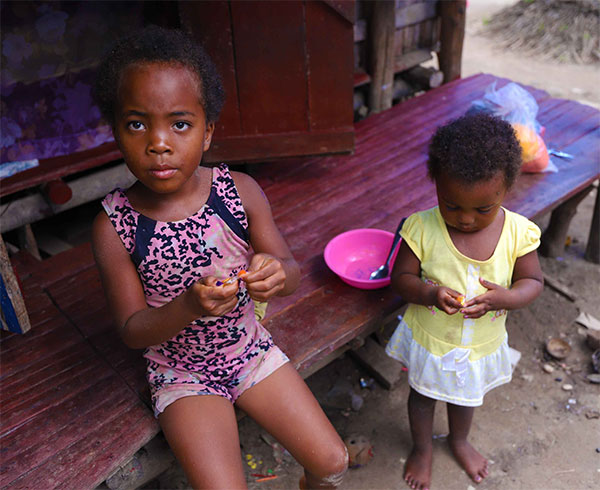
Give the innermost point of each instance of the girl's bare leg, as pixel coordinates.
(459, 421)
(417, 471)
(287, 409)
(202, 432)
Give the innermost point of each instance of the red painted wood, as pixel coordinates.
(29, 351)
(269, 58)
(330, 79)
(42, 319)
(30, 403)
(68, 417)
(201, 18)
(345, 8)
(58, 191)
(61, 426)
(60, 266)
(68, 289)
(339, 191)
(42, 370)
(87, 462)
(57, 167)
(313, 199)
(360, 78)
(261, 147)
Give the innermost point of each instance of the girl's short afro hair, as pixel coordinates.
(157, 44)
(473, 148)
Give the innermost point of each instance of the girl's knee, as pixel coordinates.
(333, 465)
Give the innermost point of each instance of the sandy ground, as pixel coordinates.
(535, 434)
(483, 54)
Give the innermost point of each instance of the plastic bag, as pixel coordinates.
(518, 107)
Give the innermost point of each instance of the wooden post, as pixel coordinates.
(14, 314)
(453, 14)
(555, 235)
(28, 242)
(592, 252)
(57, 191)
(382, 31)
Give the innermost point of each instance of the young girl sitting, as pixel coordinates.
(183, 254)
(462, 265)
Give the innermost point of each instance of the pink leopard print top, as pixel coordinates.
(170, 257)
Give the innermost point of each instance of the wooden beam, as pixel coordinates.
(415, 13)
(555, 235)
(453, 14)
(383, 368)
(14, 314)
(35, 207)
(592, 251)
(559, 287)
(28, 242)
(382, 32)
(346, 8)
(57, 191)
(57, 167)
(412, 59)
(265, 147)
(425, 77)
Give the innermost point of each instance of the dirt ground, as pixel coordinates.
(535, 434)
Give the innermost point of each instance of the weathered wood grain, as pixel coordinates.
(74, 396)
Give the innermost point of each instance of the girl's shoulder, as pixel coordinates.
(428, 219)
(519, 223)
(248, 189)
(116, 201)
(522, 233)
(421, 230)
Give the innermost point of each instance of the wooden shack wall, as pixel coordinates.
(287, 68)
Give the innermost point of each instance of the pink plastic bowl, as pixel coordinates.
(353, 255)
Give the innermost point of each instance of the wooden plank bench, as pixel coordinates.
(74, 398)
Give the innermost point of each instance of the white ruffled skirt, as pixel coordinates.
(451, 378)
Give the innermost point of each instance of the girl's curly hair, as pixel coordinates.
(473, 148)
(157, 44)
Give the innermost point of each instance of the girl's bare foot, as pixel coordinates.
(417, 471)
(470, 459)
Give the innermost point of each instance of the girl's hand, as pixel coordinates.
(265, 278)
(447, 299)
(495, 298)
(208, 299)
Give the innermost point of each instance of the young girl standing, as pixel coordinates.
(462, 265)
(166, 248)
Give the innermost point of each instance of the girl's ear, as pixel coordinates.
(208, 133)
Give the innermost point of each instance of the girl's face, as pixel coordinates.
(470, 207)
(160, 125)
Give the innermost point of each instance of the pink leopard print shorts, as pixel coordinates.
(194, 383)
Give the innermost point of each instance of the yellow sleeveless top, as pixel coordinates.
(426, 234)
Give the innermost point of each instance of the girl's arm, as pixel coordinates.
(406, 280)
(527, 284)
(273, 270)
(139, 325)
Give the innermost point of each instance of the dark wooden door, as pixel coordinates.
(287, 68)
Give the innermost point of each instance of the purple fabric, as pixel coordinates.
(50, 51)
(51, 118)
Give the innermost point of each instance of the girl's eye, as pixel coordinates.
(135, 125)
(181, 125)
(484, 210)
(451, 208)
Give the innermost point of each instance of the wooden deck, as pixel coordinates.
(315, 199)
(74, 398)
